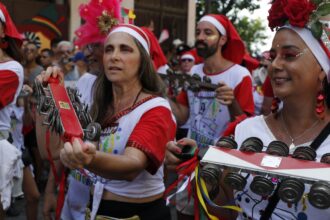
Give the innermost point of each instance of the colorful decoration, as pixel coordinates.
(105, 22)
(304, 13)
(99, 16)
(128, 15)
(45, 26)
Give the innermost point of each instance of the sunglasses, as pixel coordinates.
(186, 60)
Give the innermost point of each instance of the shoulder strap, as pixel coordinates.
(321, 137)
(272, 203)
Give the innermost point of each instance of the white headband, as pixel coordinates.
(187, 56)
(134, 34)
(2, 17)
(215, 22)
(314, 46)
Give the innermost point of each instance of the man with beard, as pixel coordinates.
(210, 112)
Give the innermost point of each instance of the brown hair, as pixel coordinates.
(13, 49)
(102, 88)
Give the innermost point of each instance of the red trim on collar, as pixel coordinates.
(128, 110)
(213, 74)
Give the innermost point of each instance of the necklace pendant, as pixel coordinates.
(292, 146)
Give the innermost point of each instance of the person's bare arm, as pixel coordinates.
(121, 167)
(180, 112)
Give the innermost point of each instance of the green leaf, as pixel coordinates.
(314, 17)
(317, 2)
(317, 29)
(323, 9)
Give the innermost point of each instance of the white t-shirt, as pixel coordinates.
(84, 86)
(208, 118)
(248, 201)
(14, 67)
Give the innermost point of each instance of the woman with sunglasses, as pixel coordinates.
(299, 74)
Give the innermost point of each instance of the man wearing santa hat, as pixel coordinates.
(187, 61)
(219, 44)
(210, 112)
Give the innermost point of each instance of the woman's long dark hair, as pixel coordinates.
(102, 89)
(13, 49)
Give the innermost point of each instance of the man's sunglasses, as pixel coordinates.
(186, 60)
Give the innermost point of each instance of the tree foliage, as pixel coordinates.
(252, 31)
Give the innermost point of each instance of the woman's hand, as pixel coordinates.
(173, 148)
(224, 94)
(52, 71)
(78, 154)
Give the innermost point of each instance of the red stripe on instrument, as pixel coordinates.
(69, 119)
(286, 162)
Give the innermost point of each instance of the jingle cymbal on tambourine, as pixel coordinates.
(84, 119)
(58, 124)
(211, 174)
(252, 144)
(291, 190)
(93, 131)
(325, 158)
(196, 77)
(44, 104)
(262, 186)
(304, 153)
(226, 142)
(319, 195)
(278, 148)
(207, 79)
(235, 181)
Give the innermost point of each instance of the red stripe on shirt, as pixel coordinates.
(8, 86)
(155, 128)
(243, 95)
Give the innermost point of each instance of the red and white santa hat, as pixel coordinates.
(234, 49)
(187, 55)
(156, 53)
(135, 32)
(10, 28)
(320, 48)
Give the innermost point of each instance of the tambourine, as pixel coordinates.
(293, 171)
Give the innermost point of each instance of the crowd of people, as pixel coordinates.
(118, 71)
